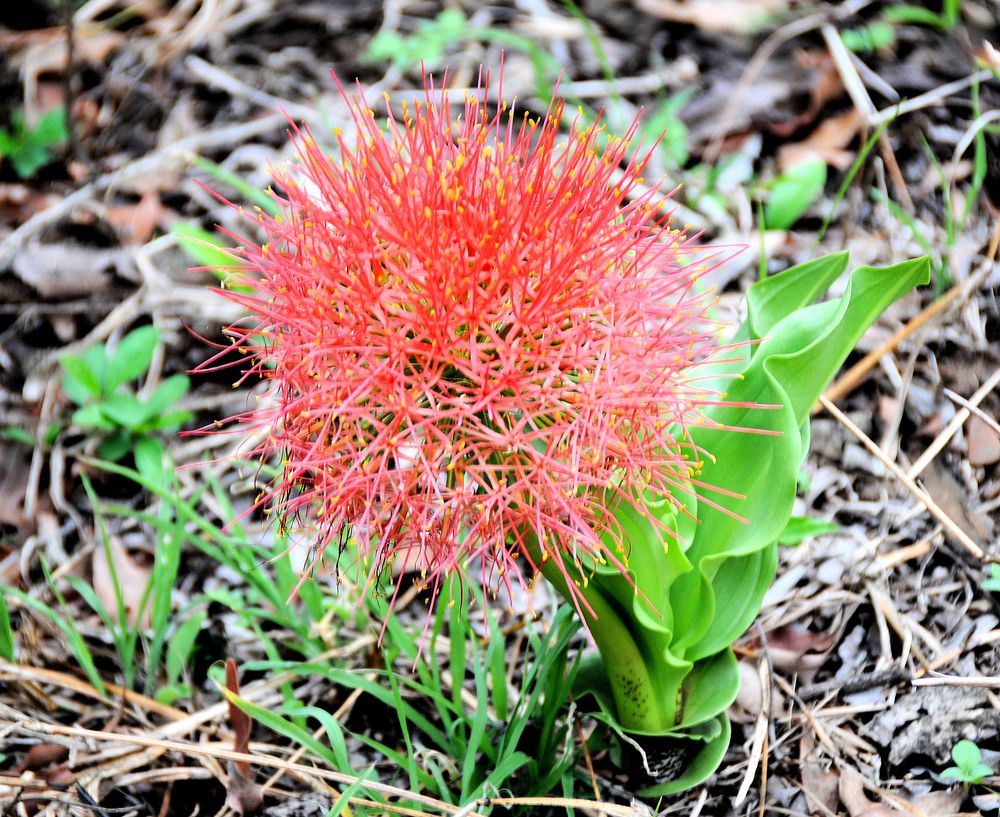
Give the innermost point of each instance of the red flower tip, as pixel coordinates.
(478, 340)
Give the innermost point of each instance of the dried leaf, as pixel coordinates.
(819, 783)
(930, 720)
(91, 45)
(827, 142)
(932, 804)
(983, 442)
(132, 579)
(136, 222)
(66, 270)
(14, 461)
(798, 650)
(954, 500)
(714, 15)
(243, 795)
(41, 755)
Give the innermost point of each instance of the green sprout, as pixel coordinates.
(29, 147)
(969, 767)
(97, 382)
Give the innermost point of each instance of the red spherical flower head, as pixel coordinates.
(478, 340)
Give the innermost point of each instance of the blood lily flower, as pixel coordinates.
(486, 345)
(479, 335)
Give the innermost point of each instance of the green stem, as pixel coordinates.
(641, 706)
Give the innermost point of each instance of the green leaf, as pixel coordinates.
(794, 192)
(789, 368)
(18, 435)
(775, 298)
(169, 421)
(915, 15)
(875, 36)
(6, 632)
(800, 528)
(966, 754)
(167, 393)
(29, 149)
(168, 694)
(205, 249)
(115, 446)
(91, 416)
(79, 382)
(50, 129)
(124, 410)
(76, 642)
(181, 645)
(132, 356)
(150, 460)
(254, 195)
(666, 125)
(701, 767)
(992, 584)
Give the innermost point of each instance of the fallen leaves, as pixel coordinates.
(828, 142)
(932, 804)
(983, 442)
(243, 795)
(120, 582)
(739, 16)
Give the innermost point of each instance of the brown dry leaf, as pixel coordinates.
(932, 804)
(826, 85)
(748, 699)
(953, 499)
(18, 202)
(714, 15)
(132, 578)
(67, 270)
(797, 650)
(14, 461)
(827, 142)
(136, 222)
(41, 755)
(91, 46)
(983, 442)
(819, 784)
(243, 795)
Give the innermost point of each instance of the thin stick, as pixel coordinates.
(989, 682)
(847, 381)
(930, 98)
(961, 536)
(208, 750)
(762, 55)
(982, 415)
(950, 430)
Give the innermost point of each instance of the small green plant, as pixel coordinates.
(794, 192)
(969, 767)
(97, 382)
(427, 44)
(991, 584)
(30, 147)
(868, 39)
(6, 633)
(666, 125)
(800, 528)
(946, 20)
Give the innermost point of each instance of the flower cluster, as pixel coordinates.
(479, 336)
